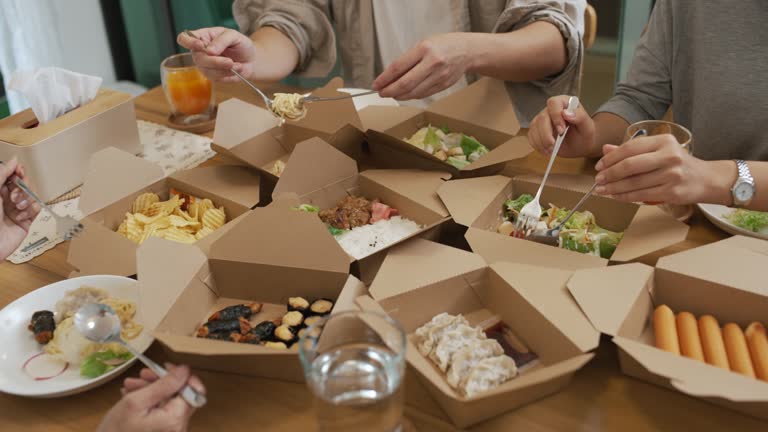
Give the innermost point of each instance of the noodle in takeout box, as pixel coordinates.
(527, 309)
(278, 263)
(470, 133)
(606, 229)
(721, 279)
(366, 212)
(127, 199)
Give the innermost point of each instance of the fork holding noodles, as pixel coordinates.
(182, 218)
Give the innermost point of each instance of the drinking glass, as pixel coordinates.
(188, 91)
(354, 364)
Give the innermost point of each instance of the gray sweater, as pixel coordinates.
(708, 59)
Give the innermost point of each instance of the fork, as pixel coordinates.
(65, 224)
(531, 213)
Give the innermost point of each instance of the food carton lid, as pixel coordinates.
(733, 262)
(256, 151)
(380, 117)
(651, 229)
(694, 377)
(329, 116)
(418, 186)
(314, 164)
(546, 290)
(235, 183)
(486, 102)
(607, 296)
(466, 199)
(261, 238)
(238, 121)
(418, 263)
(165, 268)
(86, 251)
(113, 174)
(515, 148)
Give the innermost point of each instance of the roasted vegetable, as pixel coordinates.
(42, 325)
(321, 307)
(236, 311)
(224, 326)
(298, 304)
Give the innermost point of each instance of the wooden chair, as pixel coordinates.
(590, 26)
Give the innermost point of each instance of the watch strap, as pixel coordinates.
(744, 172)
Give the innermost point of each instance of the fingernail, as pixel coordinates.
(599, 165)
(180, 371)
(560, 130)
(600, 178)
(23, 203)
(569, 114)
(600, 190)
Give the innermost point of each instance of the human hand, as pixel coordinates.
(552, 121)
(219, 49)
(17, 210)
(431, 66)
(658, 169)
(152, 404)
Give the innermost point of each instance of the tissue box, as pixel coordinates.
(56, 154)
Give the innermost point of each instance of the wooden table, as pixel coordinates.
(600, 398)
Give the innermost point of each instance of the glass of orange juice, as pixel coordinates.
(189, 92)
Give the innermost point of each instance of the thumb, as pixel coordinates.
(7, 169)
(607, 148)
(162, 389)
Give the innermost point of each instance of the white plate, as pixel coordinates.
(371, 99)
(716, 214)
(18, 344)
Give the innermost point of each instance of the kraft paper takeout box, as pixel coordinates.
(113, 182)
(254, 136)
(268, 255)
(421, 279)
(723, 279)
(477, 203)
(483, 110)
(56, 154)
(320, 175)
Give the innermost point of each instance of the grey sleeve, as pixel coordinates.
(307, 23)
(647, 91)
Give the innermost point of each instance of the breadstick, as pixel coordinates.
(664, 329)
(688, 334)
(757, 341)
(736, 348)
(712, 342)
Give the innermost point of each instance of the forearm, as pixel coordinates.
(533, 52)
(609, 129)
(276, 53)
(723, 174)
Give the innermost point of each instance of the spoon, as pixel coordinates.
(99, 323)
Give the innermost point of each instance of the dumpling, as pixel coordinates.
(489, 373)
(453, 340)
(427, 336)
(468, 356)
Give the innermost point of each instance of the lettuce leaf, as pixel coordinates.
(336, 231)
(513, 206)
(445, 130)
(470, 145)
(456, 162)
(752, 220)
(309, 208)
(431, 139)
(99, 363)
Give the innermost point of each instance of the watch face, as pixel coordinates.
(743, 191)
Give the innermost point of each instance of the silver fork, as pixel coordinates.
(531, 213)
(65, 224)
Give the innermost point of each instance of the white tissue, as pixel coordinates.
(53, 91)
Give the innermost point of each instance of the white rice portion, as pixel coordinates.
(365, 240)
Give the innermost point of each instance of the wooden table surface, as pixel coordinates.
(600, 398)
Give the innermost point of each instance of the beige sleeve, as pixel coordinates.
(568, 17)
(306, 22)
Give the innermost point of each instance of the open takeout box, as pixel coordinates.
(320, 175)
(421, 279)
(56, 154)
(723, 279)
(113, 182)
(477, 203)
(482, 109)
(254, 136)
(258, 259)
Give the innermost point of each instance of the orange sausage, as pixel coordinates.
(665, 331)
(736, 348)
(757, 341)
(688, 334)
(712, 342)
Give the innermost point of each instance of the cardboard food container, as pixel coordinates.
(255, 137)
(723, 279)
(56, 154)
(251, 262)
(113, 182)
(483, 110)
(477, 203)
(421, 279)
(320, 175)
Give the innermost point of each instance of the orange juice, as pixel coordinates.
(189, 91)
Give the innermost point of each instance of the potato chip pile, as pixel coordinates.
(183, 218)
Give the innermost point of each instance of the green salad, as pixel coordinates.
(99, 363)
(751, 220)
(581, 233)
(453, 148)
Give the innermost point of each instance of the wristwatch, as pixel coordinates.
(744, 189)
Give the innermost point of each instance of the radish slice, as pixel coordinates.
(27, 365)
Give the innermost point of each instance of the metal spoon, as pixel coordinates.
(100, 324)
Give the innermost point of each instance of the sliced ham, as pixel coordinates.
(381, 211)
